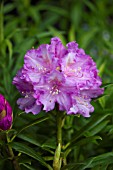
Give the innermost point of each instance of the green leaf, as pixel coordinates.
(107, 85)
(72, 166)
(28, 166)
(50, 143)
(77, 13)
(21, 48)
(103, 95)
(28, 151)
(24, 159)
(58, 33)
(54, 9)
(16, 30)
(43, 35)
(95, 121)
(25, 45)
(103, 159)
(9, 7)
(10, 48)
(72, 36)
(30, 139)
(102, 101)
(102, 68)
(110, 130)
(91, 5)
(84, 141)
(106, 158)
(87, 37)
(99, 127)
(39, 120)
(100, 167)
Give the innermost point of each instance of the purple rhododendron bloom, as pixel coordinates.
(57, 74)
(6, 115)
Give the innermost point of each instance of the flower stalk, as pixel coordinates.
(57, 162)
(11, 154)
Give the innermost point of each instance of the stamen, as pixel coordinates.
(58, 68)
(54, 91)
(26, 96)
(79, 68)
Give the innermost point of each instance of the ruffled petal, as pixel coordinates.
(29, 105)
(64, 101)
(81, 106)
(48, 101)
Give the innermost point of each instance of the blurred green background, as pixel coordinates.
(25, 24)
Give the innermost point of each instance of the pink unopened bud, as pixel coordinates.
(6, 115)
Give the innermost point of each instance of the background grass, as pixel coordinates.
(25, 24)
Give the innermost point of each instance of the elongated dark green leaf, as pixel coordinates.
(44, 34)
(91, 5)
(9, 7)
(99, 127)
(28, 166)
(72, 166)
(25, 160)
(102, 68)
(77, 13)
(16, 31)
(84, 141)
(72, 33)
(101, 167)
(39, 120)
(86, 38)
(95, 121)
(107, 85)
(103, 159)
(58, 33)
(29, 139)
(110, 130)
(106, 158)
(25, 45)
(55, 9)
(21, 48)
(103, 95)
(50, 143)
(29, 151)
(10, 48)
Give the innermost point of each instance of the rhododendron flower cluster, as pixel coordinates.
(6, 115)
(57, 74)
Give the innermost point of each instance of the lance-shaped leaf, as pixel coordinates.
(39, 120)
(22, 148)
(84, 141)
(101, 160)
(94, 122)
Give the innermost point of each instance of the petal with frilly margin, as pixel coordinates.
(29, 105)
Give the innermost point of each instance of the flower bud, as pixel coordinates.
(6, 115)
